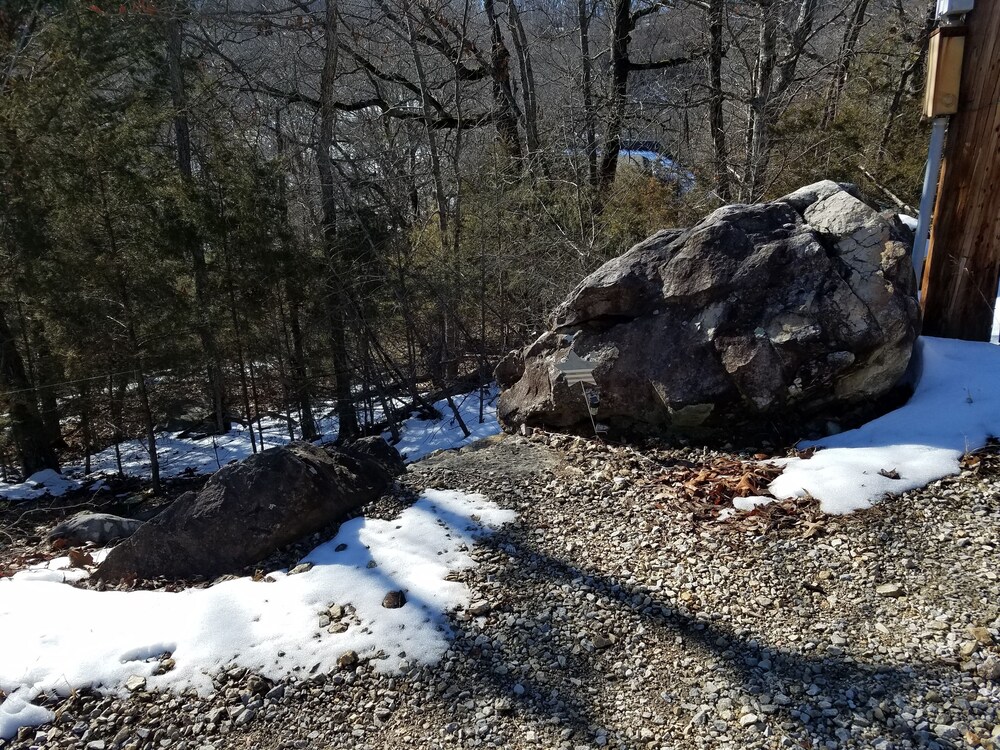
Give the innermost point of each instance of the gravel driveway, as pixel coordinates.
(615, 611)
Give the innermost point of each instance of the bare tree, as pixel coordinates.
(190, 238)
(338, 290)
(716, 121)
(620, 64)
(845, 56)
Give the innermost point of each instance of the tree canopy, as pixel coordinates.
(266, 206)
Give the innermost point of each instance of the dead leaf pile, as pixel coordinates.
(705, 488)
(715, 482)
(983, 461)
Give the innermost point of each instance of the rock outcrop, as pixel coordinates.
(800, 307)
(249, 509)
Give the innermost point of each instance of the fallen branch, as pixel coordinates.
(902, 205)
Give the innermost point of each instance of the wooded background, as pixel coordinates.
(272, 205)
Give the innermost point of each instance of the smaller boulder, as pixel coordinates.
(98, 528)
(381, 452)
(249, 509)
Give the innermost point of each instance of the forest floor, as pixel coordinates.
(618, 610)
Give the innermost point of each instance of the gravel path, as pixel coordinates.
(614, 612)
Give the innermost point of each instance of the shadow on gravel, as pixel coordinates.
(811, 683)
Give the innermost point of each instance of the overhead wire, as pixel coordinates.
(74, 382)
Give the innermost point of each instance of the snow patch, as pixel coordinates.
(81, 637)
(955, 408)
(751, 502)
(995, 336)
(15, 712)
(184, 455)
(38, 484)
(420, 437)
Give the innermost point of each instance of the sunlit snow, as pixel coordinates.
(420, 437)
(954, 409)
(182, 456)
(57, 637)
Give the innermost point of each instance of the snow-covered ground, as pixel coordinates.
(954, 409)
(270, 627)
(58, 638)
(422, 436)
(177, 455)
(38, 484)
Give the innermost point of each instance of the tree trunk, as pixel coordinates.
(147, 414)
(458, 416)
(237, 327)
(798, 36)
(85, 424)
(338, 293)
(621, 30)
(528, 95)
(135, 346)
(298, 362)
(283, 347)
(843, 65)
(762, 109)
(715, 114)
(190, 238)
(444, 350)
(115, 408)
(140, 381)
(31, 441)
(505, 108)
(307, 422)
(387, 410)
(48, 378)
(256, 403)
(587, 92)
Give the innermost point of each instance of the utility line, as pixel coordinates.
(74, 382)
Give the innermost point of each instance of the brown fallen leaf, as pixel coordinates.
(747, 485)
(79, 558)
(970, 461)
(814, 529)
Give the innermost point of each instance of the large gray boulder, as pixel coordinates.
(801, 307)
(249, 509)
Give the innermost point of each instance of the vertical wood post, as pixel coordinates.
(959, 286)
